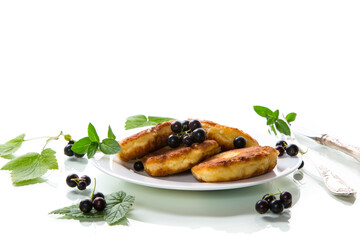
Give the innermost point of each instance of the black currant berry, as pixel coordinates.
(87, 179)
(81, 185)
(287, 205)
(292, 150)
(85, 205)
(69, 182)
(173, 141)
(286, 198)
(79, 155)
(138, 166)
(194, 124)
(187, 140)
(68, 151)
(269, 197)
(276, 206)
(199, 135)
(99, 203)
(176, 126)
(239, 142)
(185, 125)
(98, 194)
(281, 150)
(262, 206)
(281, 143)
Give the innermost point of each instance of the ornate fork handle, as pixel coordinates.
(335, 143)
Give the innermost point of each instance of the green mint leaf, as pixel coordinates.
(110, 146)
(93, 147)
(263, 111)
(31, 165)
(290, 117)
(282, 126)
(11, 146)
(142, 121)
(93, 136)
(81, 146)
(272, 119)
(111, 135)
(118, 205)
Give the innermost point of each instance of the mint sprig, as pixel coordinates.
(91, 144)
(137, 121)
(118, 205)
(274, 122)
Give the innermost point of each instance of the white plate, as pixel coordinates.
(186, 181)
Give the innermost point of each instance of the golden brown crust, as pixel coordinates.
(144, 142)
(167, 160)
(236, 164)
(225, 135)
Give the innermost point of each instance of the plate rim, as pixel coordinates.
(204, 186)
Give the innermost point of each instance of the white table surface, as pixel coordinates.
(64, 64)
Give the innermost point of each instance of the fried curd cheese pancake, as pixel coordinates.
(225, 135)
(167, 160)
(144, 142)
(236, 164)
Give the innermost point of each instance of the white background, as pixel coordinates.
(64, 64)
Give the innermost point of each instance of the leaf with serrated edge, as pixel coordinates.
(143, 121)
(93, 136)
(11, 146)
(118, 205)
(110, 146)
(74, 212)
(31, 165)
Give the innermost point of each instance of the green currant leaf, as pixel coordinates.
(93, 136)
(81, 146)
(11, 146)
(110, 146)
(31, 165)
(142, 121)
(118, 205)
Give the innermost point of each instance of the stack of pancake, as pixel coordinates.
(214, 160)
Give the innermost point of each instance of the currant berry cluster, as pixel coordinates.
(81, 183)
(68, 152)
(269, 201)
(97, 201)
(291, 150)
(186, 132)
